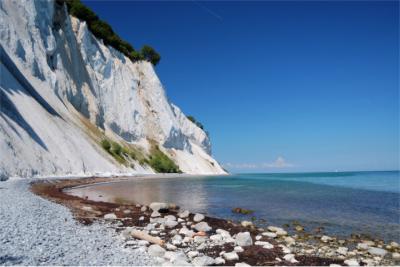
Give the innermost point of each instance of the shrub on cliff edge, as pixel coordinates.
(104, 31)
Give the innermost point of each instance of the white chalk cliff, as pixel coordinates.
(62, 91)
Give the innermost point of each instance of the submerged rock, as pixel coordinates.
(299, 228)
(274, 229)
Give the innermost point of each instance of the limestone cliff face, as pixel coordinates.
(62, 91)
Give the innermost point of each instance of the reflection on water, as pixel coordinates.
(146, 191)
(342, 204)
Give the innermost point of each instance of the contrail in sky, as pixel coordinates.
(207, 9)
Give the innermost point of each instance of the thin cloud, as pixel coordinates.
(279, 163)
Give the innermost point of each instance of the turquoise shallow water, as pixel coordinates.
(343, 203)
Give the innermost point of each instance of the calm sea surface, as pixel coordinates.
(341, 202)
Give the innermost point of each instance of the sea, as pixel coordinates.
(336, 203)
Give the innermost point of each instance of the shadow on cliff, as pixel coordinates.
(13, 81)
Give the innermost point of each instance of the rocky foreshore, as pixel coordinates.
(179, 237)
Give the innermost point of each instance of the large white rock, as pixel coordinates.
(244, 239)
(198, 217)
(170, 224)
(186, 232)
(184, 214)
(225, 234)
(203, 261)
(231, 256)
(177, 239)
(219, 261)
(394, 244)
(238, 249)
(199, 239)
(269, 234)
(110, 216)
(202, 227)
(342, 250)
(351, 262)
(326, 238)
(377, 251)
(173, 256)
(290, 258)
(156, 251)
(362, 246)
(192, 254)
(156, 206)
(170, 218)
(396, 256)
(277, 230)
(264, 244)
(246, 223)
(216, 238)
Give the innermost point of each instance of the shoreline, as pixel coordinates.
(298, 249)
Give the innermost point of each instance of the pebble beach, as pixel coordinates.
(163, 234)
(35, 231)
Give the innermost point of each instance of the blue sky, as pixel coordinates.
(280, 86)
